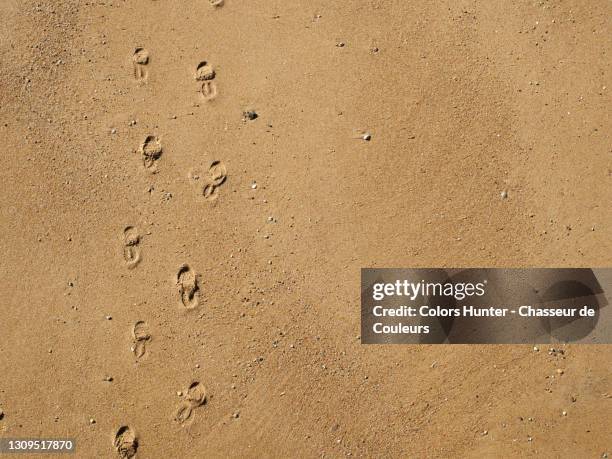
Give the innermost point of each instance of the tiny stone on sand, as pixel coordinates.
(250, 115)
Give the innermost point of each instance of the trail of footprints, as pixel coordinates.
(125, 440)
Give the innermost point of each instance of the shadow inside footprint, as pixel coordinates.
(125, 442)
(187, 282)
(205, 72)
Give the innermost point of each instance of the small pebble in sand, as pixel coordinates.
(504, 195)
(109, 318)
(367, 136)
(536, 349)
(92, 421)
(250, 115)
(179, 393)
(108, 378)
(236, 414)
(113, 131)
(340, 44)
(253, 186)
(564, 413)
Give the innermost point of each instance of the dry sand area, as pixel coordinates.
(190, 190)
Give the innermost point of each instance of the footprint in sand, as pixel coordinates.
(125, 442)
(140, 58)
(212, 179)
(141, 336)
(206, 75)
(189, 290)
(183, 413)
(151, 151)
(195, 396)
(131, 246)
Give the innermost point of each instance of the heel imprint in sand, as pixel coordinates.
(131, 247)
(140, 59)
(183, 413)
(151, 151)
(195, 396)
(141, 336)
(212, 179)
(205, 74)
(189, 290)
(125, 442)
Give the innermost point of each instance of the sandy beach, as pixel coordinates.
(190, 190)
